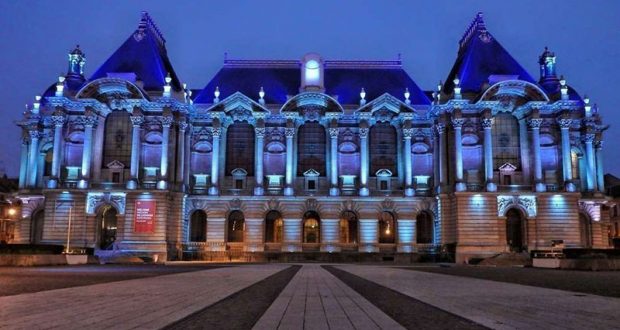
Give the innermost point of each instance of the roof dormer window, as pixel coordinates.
(312, 73)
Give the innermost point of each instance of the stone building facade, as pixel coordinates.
(311, 155)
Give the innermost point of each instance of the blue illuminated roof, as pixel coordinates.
(480, 56)
(143, 53)
(342, 79)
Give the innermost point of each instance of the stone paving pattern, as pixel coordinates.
(313, 299)
(498, 305)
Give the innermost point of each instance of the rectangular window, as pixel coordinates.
(311, 184)
(383, 185)
(238, 184)
(116, 177)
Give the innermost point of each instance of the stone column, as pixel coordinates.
(526, 155)
(487, 124)
(136, 122)
(216, 132)
(182, 124)
(259, 175)
(407, 133)
(443, 157)
(333, 133)
(32, 160)
(364, 162)
(23, 164)
(289, 190)
(87, 148)
(58, 121)
(588, 139)
(534, 124)
(567, 170)
(188, 157)
(600, 176)
(166, 121)
(457, 123)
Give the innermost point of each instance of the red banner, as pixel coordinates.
(144, 217)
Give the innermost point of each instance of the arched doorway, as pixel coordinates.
(387, 228)
(311, 227)
(36, 227)
(273, 227)
(348, 227)
(236, 227)
(198, 226)
(107, 233)
(515, 230)
(585, 230)
(424, 228)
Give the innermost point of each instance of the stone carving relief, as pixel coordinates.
(96, 199)
(527, 203)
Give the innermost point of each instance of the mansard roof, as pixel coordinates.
(343, 80)
(143, 53)
(480, 58)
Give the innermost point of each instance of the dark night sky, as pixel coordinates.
(35, 37)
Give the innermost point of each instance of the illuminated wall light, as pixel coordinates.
(477, 200)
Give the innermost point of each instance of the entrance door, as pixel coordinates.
(514, 230)
(108, 228)
(586, 230)
(36, 230)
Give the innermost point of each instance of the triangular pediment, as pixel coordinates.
(311, 172)
(239, 172)
(116, 165)
(507, 167)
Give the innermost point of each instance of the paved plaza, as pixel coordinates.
(282, 296)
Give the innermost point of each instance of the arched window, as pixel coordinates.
(424, 228)
(506, 148)
(574, 161)
(47, 166)
(240, 148)
(273, 227)
(312, 228)
(387, 228)
(348, 227)
(117, 138)
(198, 226)
(311, 148)
(236, 226)
(383, 148)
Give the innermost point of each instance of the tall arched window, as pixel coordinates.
(311, 148)
(387, 228)
(506, 148)
(117, 139)
(198, 226)
(311, 228)
(273, 227)
(574, 161)
(236, 226)
(383, 148)
(348, 227)
(240, 148)
(424, 228)
(47, 166)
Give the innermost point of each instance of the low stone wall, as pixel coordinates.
(590, 264)
(44, 259)
(336, 257)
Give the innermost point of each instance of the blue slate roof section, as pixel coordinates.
(346, 84)
(481, 55)
(143, 53)
(277, 83)
(280, 79)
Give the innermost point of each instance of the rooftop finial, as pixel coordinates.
(477, 25)
(146, 23)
